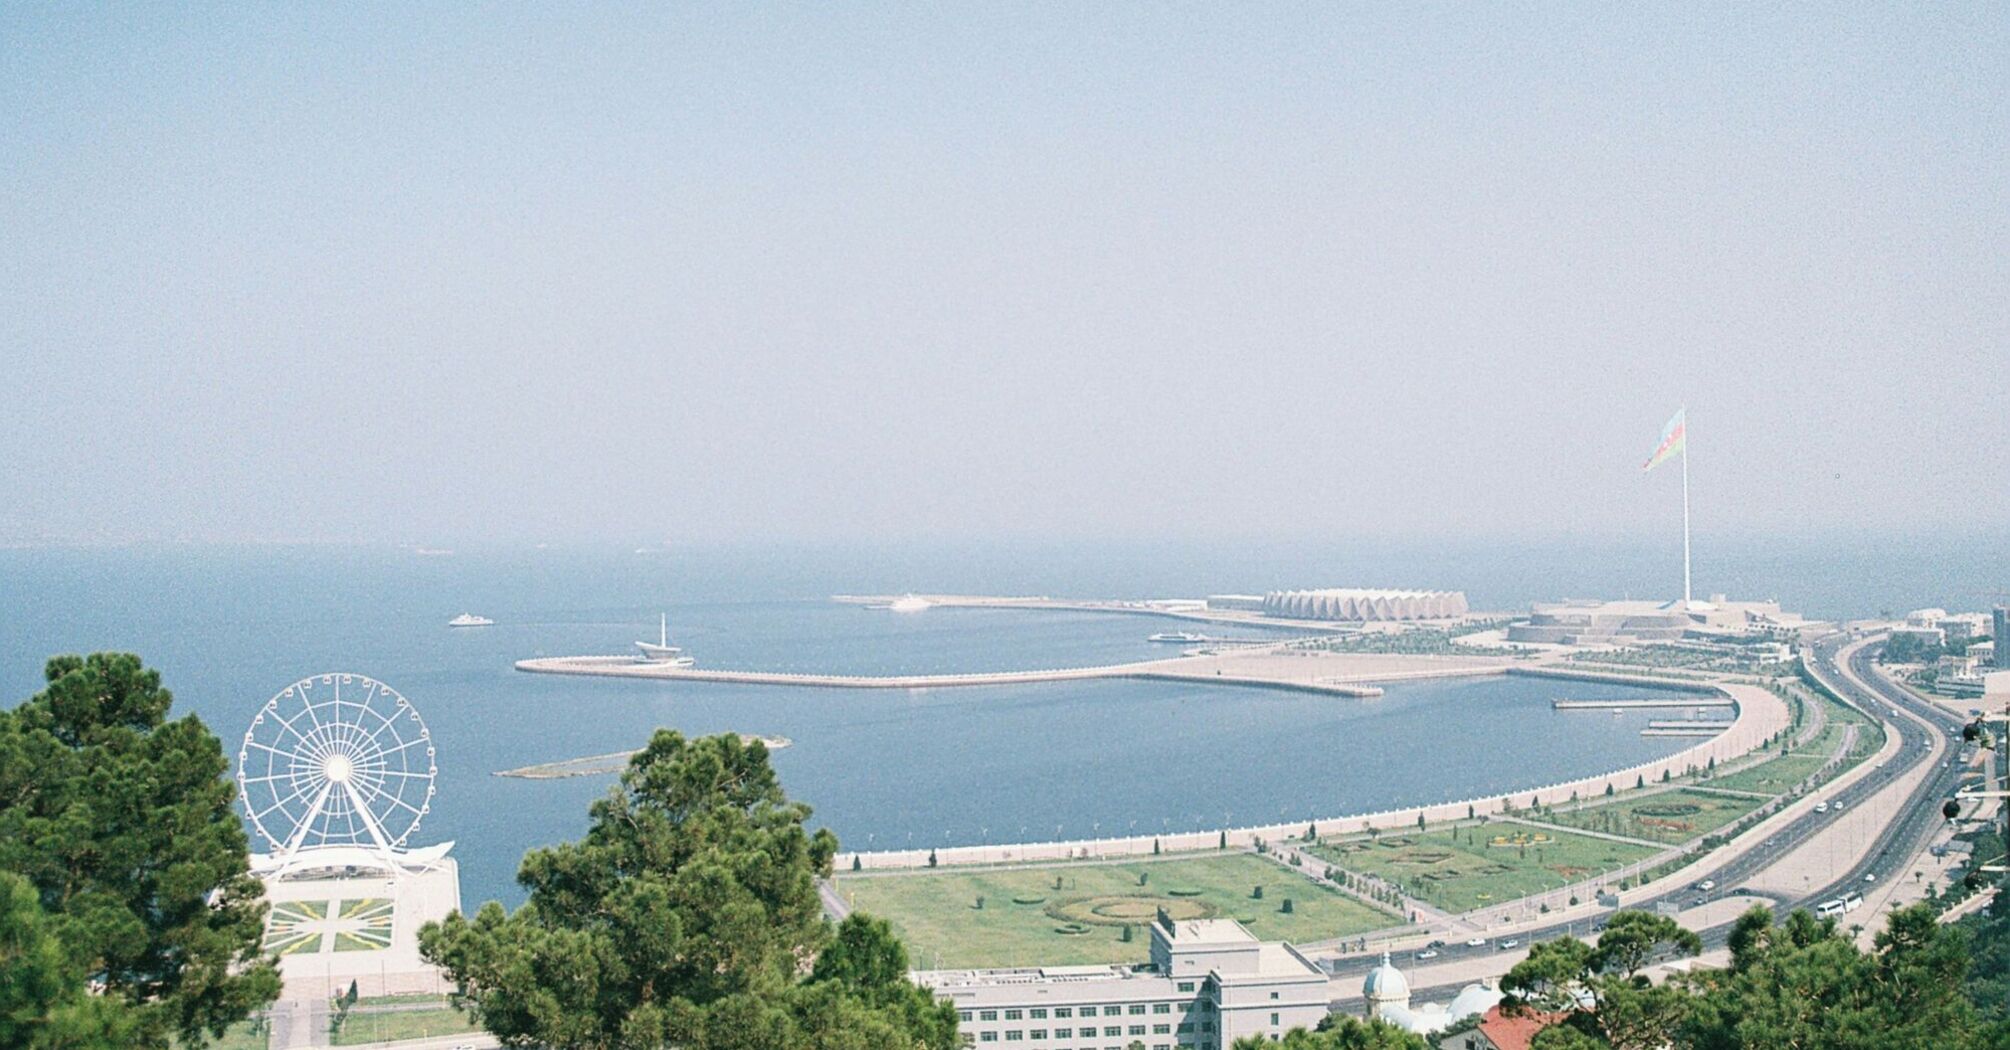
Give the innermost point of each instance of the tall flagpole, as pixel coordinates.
(1685, 509)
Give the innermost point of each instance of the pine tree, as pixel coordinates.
(122, 821)
(681, 919)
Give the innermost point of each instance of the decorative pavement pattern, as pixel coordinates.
(306, 927)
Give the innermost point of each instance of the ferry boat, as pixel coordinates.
(908, 603)
(1181, 637)
(661, 651)
(470, 620)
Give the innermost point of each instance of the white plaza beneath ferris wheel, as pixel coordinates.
(335, 774)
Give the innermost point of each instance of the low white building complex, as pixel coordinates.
(1209, 983)
(1634, 622)
(1352, 603)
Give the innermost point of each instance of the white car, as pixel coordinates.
(1477, 942)
(1510, 943)
(1428, 953)
(1870, 877)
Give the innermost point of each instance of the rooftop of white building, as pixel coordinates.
(1253, 960)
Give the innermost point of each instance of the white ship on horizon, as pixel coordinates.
(470, 620)
(661, 651)
(908, 603)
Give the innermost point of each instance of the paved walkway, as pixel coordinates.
(298, 1023)
(1606, 835)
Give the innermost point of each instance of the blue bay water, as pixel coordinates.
(229, 627)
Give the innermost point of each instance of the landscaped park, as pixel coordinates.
(1076, 913)
(1670, 817)
(1479, 865)
(1473, 866)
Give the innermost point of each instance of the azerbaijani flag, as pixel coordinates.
(1674, 438)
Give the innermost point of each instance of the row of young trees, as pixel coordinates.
(688, 916)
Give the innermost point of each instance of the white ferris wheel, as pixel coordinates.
(337, 771)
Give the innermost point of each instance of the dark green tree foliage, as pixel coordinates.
(1989, 959)
(121, 821)
(1609, 1004)
(684, 918)
(1912, 648)
(1567, 1037)
(869, 963)
(1804, 984)
(43, 1001)
(1800, 984)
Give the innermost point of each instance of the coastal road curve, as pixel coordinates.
(1919, 772)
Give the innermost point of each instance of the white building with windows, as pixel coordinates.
(1209, 983)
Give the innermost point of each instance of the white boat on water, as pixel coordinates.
(470, 620)
(908, 603)
(661, 651)
(1182, 637)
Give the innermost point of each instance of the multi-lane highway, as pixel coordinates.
(1927, 736)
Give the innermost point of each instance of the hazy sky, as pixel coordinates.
(438, 274)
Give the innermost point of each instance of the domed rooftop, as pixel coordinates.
(1385, 983)
(1473, 999)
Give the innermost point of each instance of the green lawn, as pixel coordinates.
(1778, 774)
(1024, 915)
(295, 926)
(402, 1024)
(1774, 776)
(1671, 816)
(1460, 869)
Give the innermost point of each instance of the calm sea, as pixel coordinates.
(229, 627)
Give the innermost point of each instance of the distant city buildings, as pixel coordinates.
(2000, 623)
(1925, 617)
(1963, 627)
(1209, 983)
(1929, 635)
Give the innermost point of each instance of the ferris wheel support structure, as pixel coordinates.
(335, 781)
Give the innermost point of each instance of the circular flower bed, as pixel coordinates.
(1126, 910)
